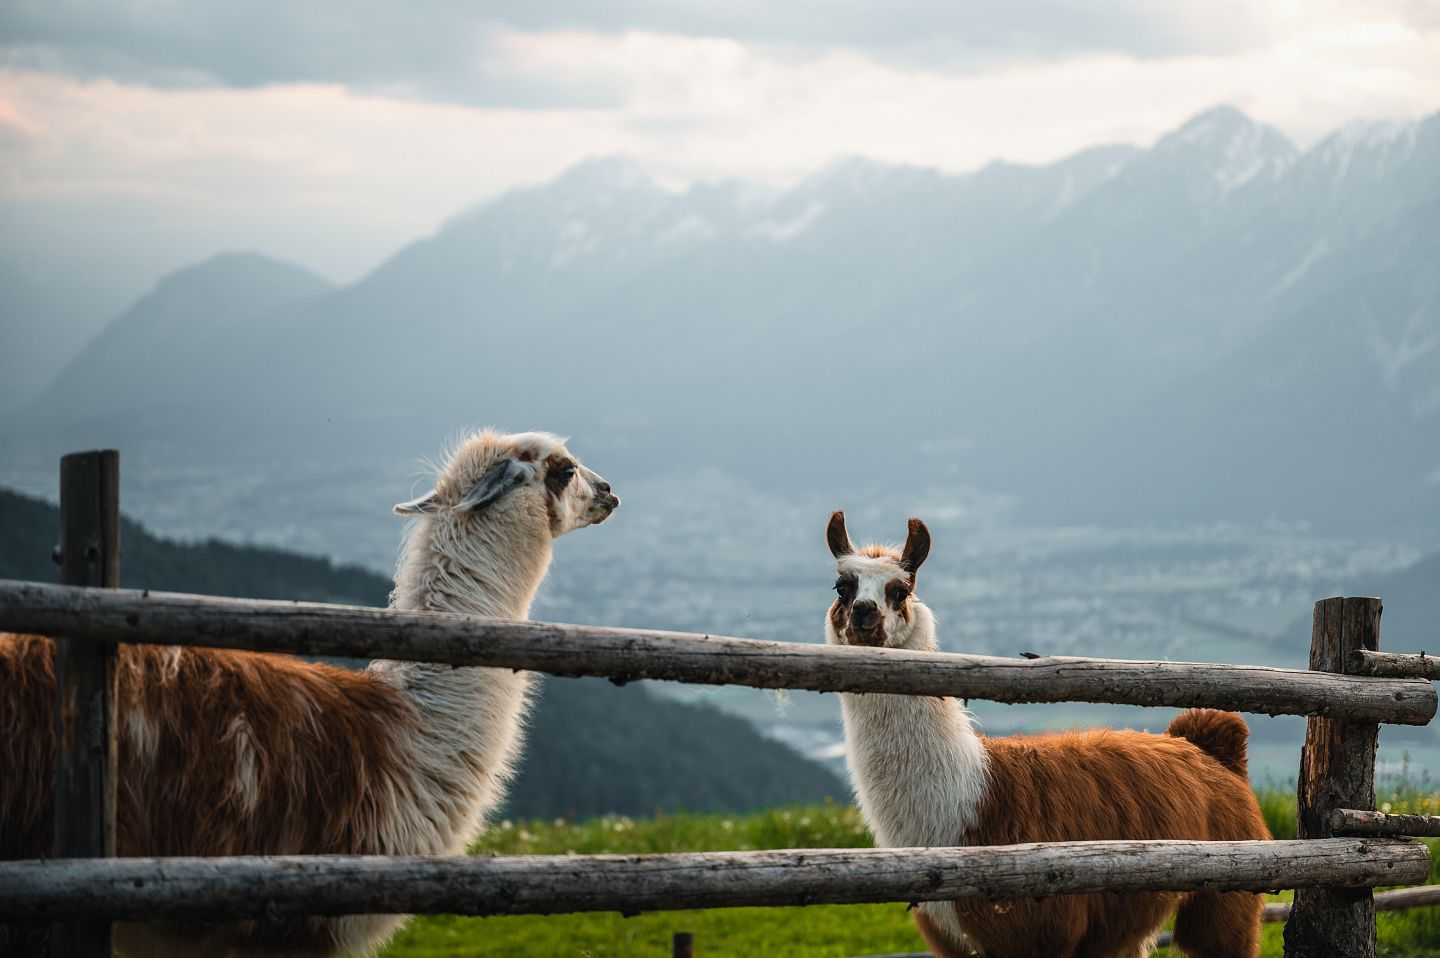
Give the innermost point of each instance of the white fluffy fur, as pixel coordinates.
(402, 784)
(916, 764)
(490, 565)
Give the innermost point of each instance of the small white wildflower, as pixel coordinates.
(507, 824)
(1385, 807)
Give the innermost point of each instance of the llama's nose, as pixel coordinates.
(603, 486)
(865, 615)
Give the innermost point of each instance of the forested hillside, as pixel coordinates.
(594, 748)
(28, 529)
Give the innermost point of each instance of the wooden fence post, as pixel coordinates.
(85, 687)
(1337, 770)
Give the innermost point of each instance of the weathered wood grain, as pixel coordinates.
(630, 654)
(1352, 821)
(227, 888)
(1395, 665)
(1337, 770)
(85, 756)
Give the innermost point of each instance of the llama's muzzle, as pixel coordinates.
(874, 638)
(604, 503)
(867, 626)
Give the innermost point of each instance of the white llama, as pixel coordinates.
(924, 777)
(236, 753)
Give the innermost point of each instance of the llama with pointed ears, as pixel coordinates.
(239, 753)
(924, 777)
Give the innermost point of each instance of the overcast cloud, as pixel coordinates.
(455, 51)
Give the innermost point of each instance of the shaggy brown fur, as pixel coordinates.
(193, 777)
(1187, 785)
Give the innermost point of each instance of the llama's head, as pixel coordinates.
(528, 478)
(875, 602)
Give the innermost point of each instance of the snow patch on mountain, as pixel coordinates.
(1386, 143)
(576, 239)
(783, 231)
(687, 229)
(1300, 269)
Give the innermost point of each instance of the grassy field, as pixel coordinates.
(823, 931)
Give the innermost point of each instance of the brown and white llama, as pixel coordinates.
(235, 753)
(924, 777)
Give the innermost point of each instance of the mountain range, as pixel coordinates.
(1221, 325)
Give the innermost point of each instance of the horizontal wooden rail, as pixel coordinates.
(119, 615)
(1350, 821)
(1394, 665)
(1278, 911)
(1401, 898)
(1398, 899)
(229, 888)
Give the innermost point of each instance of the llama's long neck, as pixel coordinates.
(918, 767)
(494, 569)
(472, 719)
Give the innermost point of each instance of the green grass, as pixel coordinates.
(823, 931)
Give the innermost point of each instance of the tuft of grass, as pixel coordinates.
(827, 825)
(822, 931)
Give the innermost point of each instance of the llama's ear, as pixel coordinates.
(425, 505)
(836, 536)
(499, 479)
(917, 547)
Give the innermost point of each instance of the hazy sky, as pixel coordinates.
(139, 135)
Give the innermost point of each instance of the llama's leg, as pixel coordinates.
(1219, 925)
(27, 940)
(1144, 949)
(939, 942)
(1053, 928)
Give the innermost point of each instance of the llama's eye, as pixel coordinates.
(844, 587)
(567, 474)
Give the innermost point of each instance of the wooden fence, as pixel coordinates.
(1345, 847)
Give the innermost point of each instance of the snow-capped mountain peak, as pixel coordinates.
(1232, 148)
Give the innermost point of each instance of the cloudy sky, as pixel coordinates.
(140, 135)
